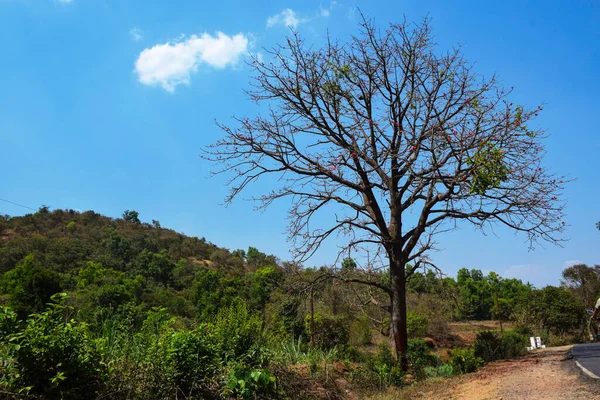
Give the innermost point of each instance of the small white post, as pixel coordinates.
(532, 341)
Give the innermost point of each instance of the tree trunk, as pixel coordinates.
(399, 334)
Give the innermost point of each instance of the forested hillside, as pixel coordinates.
(110, 265)
(152, 313)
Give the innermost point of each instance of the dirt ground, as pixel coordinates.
(546, 374)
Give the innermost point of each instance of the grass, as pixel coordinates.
(431, 387)
(294, 351)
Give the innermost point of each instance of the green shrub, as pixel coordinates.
(250, 384)
(30, 286)
(328, 332)
(353, 354)
(446, 371)
(513, 344)
(430, 372)
(387, 367)
(488, 346)
(52, 358)
(238, 334)
(366, 379)
(384, 356)
(9, 321)
(416, 324)
(192, 359)
(464, 361)
(290, 350)
(420, 357)
(443, 371)
(360, 334)
(524, 330)
(561, 340)
(492, 346)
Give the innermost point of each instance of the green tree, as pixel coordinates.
(212, 291)
(583, 281)
(156, 266)
(475, 293)
(131, 216)
(257, 259)
(348, 264)
(30, 286)
(554, 309)
(262, 283)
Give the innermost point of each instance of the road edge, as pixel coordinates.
(587, 371)
(581, 367)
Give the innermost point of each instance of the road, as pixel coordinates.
(587, 357)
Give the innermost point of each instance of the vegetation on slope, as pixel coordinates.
(155, 314)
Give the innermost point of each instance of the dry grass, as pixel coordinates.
(435, 388)
(467, 331)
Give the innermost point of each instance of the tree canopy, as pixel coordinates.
(388, 141)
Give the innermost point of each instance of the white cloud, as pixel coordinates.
(351, 13)
(172, 63)
(326, 12)
(287, 18)
(136, 34)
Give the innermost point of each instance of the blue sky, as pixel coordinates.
(105, 105)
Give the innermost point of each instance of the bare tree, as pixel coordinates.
(388, 142)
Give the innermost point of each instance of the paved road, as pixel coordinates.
(587, 357)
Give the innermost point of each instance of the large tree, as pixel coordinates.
(388, 141)
(583, 281)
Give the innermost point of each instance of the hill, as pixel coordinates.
(107, 264)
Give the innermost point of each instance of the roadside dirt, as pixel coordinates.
(546, 374)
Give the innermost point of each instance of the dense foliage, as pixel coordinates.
(154, 314)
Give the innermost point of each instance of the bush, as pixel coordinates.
(52, 358)
(446, 371)
(328, 332)
(360, 334)
(387, 367)
(464, 361)
(353, 354)
(192, 359)
(419, 357)
(416, 324)
(250, 384)
(492, 346)
(366, 379)
(524, 330)
(561, 340)
(488, 346)
(513, 344)
(443, 371)
(439, 329)
(238, 334)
